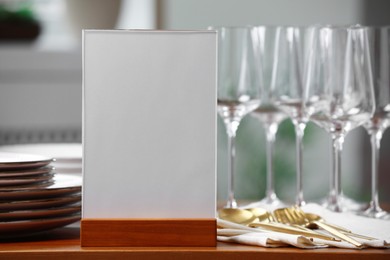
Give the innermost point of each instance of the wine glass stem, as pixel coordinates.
(271, 130)
(232, 126)
(376, 137)
(335, 186)
(299, 132)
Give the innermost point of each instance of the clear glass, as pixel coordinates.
(287, 83)
(340, 87)
(269, 115)
(379, 41)
(238, 87)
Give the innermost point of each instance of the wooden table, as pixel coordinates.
(64, 243)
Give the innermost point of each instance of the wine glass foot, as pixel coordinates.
(332, 206)
(232, 204)
(268, 203)
(273, 201)
(300, 203)
(351, 204)
(376, 212)
(343, 204)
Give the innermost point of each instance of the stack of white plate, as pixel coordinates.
(67, 156)
(33, 197)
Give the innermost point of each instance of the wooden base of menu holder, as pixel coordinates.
(148, 232)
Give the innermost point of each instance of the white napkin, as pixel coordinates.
(235, 233)
(357, 224)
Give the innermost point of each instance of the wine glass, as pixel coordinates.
(238, 87)
(287, 82)
(379, 40)
(269, 115)
(339, 83)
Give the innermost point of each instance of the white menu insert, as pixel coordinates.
(149, 124)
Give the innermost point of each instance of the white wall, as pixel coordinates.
(41, 81)
(196, 14)
(39, 89)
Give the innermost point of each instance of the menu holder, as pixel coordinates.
(148, 232)
(149, 138)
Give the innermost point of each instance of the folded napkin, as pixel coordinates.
(235, 233)
(380, 229)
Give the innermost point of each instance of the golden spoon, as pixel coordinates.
(239, 216)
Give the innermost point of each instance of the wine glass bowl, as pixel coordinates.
(233, 110)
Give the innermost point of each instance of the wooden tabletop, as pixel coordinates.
(64, 243)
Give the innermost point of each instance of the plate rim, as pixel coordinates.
(23, 204)
(30, 227)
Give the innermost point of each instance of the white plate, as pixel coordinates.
(39, 203)
(62, 152)
(62, 184)
(35, 186)
(15, 161)
(39, 213)
(13, 181)
(29, 227)
(26, 172)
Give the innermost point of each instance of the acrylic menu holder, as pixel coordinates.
(149, 128)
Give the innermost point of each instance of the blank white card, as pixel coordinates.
(149, 124)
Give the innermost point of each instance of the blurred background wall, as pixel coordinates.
(41, 77)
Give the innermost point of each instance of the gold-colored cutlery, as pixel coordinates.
(295, 215)
(314, 221)
(291, 220)
(261, 219)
